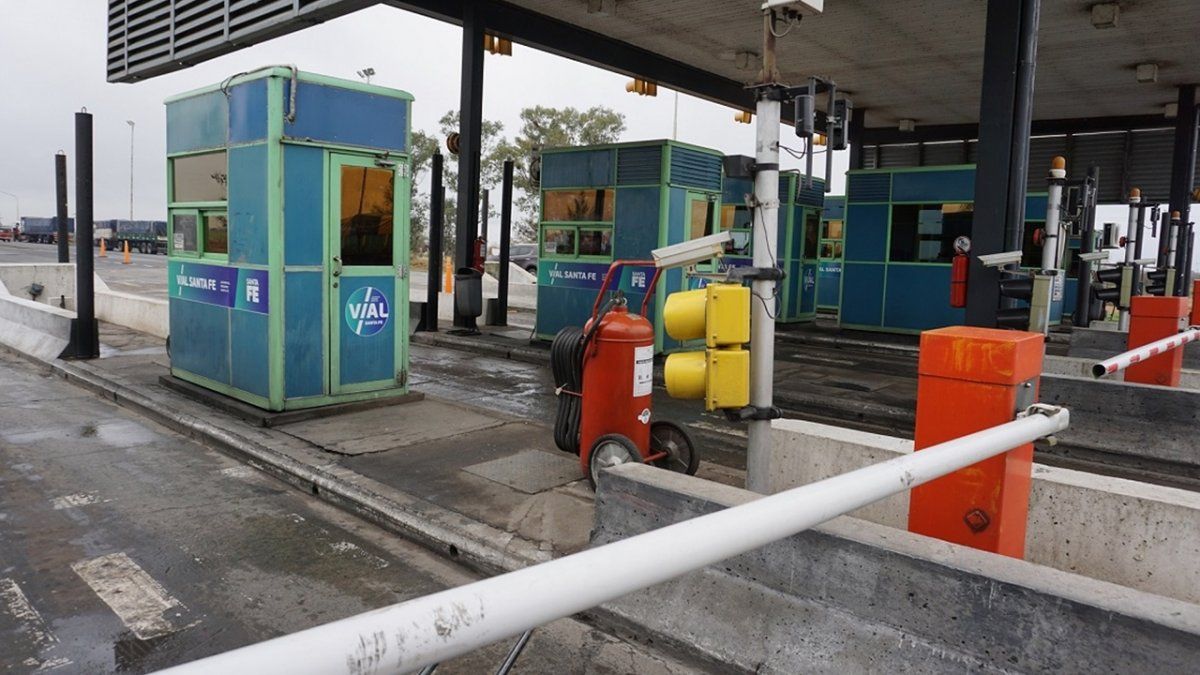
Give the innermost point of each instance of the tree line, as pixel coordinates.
(541, 127)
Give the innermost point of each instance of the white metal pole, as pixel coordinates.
(765, 229)
(1131, 237)
(1054, 188)
(439, 627)
(131, 125)
(1125, 359)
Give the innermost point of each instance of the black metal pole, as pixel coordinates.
(437, 230)
(85, 334)
(1183, 177)
(1005, 113)
(1186, 259)
(854, 134)
(1138, 286)
(506, 193)
(62, 236)
(483, 214)
(1087, 241)
(470, 124)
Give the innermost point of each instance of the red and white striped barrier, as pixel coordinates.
(1126, 359)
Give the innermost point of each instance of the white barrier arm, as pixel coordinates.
(438, 627)
(1126, 359)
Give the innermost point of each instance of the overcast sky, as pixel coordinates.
(52, 65)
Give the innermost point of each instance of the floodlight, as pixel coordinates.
(691, 252)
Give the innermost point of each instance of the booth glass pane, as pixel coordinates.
(698, 218)
(812, 231)
(734, 217)
(740, 244)
(366, 215)
(183, 228)
(831, 229)
(216, 233)
(926, 232)
(595, 241)
(559, 241)
(200, 178)
(578, 205)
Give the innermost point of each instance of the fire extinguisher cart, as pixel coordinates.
(605, 377)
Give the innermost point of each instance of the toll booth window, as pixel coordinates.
(925, 233)
(567, 206)
(736, 219)
(595, 241)
(367, 215)
(700, 218)
(216, 233)
(831, 250)
(558, 241)
(200, 178)
(831, 229)
(812, 231)
(183, 231)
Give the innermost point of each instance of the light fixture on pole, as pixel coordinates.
(131, 126)
(366, 74)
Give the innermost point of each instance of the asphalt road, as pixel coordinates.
(146, 274)
(127, 548)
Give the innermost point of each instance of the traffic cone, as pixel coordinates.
(448, 276)
(103, 249)
(126, 261)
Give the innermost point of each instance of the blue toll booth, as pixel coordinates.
(829, 253)
(618, 202)
(288, 207)
(900, 227)
(800, 204)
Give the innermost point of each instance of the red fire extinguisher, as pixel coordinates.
(479, 253)
(958, 272)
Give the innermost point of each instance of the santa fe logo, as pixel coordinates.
(367, 311)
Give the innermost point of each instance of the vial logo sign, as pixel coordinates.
(367, 311)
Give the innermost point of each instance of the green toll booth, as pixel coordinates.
(288, 214)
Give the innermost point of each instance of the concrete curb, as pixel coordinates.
(479, 546)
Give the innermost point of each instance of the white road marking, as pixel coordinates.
(74, 500)
(131, 593)
(709, 426)
(237, 471)
(18, 606)
(357, 551)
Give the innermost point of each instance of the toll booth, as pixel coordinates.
(829, 253)
(900, 227)
(288, 207)
(613, 202)
(797, 239)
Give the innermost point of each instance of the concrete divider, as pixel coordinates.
(145, 315)
(56, 279)
(854, 596)
(1122, 531)
(1135, 426)
(33, 328)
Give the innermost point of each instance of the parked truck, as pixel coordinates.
(144, 236)
(43, 230)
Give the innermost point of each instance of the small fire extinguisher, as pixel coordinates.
(480, 253)
(958, 272)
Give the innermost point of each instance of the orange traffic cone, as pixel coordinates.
(103, 249)
(448, 276)
(126, 261)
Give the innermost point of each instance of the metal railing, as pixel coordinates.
(1137, 355)
(438, 627)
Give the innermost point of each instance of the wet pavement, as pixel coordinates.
(125, 547)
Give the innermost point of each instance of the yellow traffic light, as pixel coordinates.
(720, 315)
(642, 87)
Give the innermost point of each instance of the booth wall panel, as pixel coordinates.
(866, 232)
(690, 168)
(862, 294)
(834, 208)
(918, 298)
(248, 235)
(208, 357)
(934, 186)
(249, 355)
(808, 286)
(829, 283)
(303, 206)
(347, 117)
(636, 218)
(197, 123)
(248, 112)
(869, 187)
(1035, 207)
(304, 334)
(639, 166)
(577, 169)
(367, 358)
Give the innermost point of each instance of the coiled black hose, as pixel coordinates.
(566, 364)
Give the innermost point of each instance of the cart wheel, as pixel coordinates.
(672, 439)
(609, 451)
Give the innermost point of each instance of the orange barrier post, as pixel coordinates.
(1195, 318)
(447, 277)
(970, 379)
(1153, 318)
(103, 249)
(127, 260)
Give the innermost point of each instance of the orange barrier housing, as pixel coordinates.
(970, 379)
(1195, 318)
(1153, 318)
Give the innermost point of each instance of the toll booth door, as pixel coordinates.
(368, 286)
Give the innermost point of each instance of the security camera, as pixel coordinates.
(1000, 259)
(691, 252)
(1093, 256)
(804, 7)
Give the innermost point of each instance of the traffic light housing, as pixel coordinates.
(1017, 288)
(720, 374)
(839, 131)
